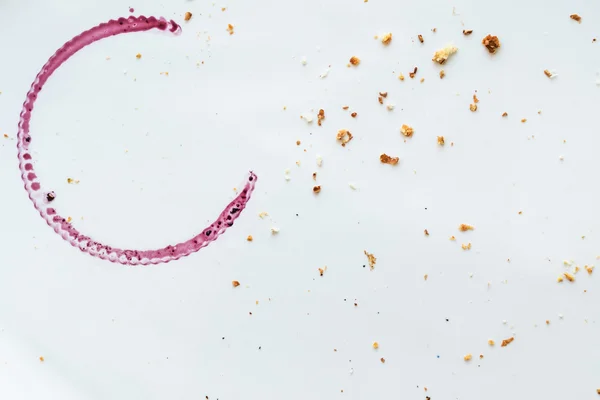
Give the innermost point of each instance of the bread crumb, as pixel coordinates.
(442, 74)
(383, 94)
(249, 238)
(344, 137)
(508, 341)
(263, 214)
(230, 29)
(569, 277)
(407, 130)
(548, 73)
(401, 76)
(384, 158)
(467, 32)
(382, 360)
(480, 356)
(314, 175)
(491, 342)
(235, 283)
(575, 17)
(322, 271)
(491, 43)
(319, 161)
(559, 279)
(473, 107)
(5, 136)
(440, 140)
(354, 114)
(274, 230)
(466, 246)
(422, 80)
(442, 55)
(390, 107)
(413, 74)
(187, 16)
(465, 227)
(138, 56)
(316, 189)
(375, 345)
(452, 238)
(426, 232)
(589, 269)
(354, 60)
(468, 357)
(420, 38)
(372, 261)
(72, 181)
(524, 120)
(69, 219)
(298, 143)
(320, 116)
(41, 359)
(386, 39)
(475, 99)
(425, 277)
(505, 114)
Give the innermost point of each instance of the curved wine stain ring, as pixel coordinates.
(41, 199)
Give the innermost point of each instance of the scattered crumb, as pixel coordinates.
(274, 230)
(491, 43)
(466, 246)
(442, 55)
(491, 342)
(344, 137)
(413, 74)
(475, 99)
(422, 80)
(249, 238)
(465, 227)
(421, 38)
(569, 277)
(352, 185)
(575, 17)
(375, 345)
(69, 219)
(468, 357)
(298, 143)
(372, 261)
(354, 60)
(559, 279)
(314, 175)
(382, 360)
(547, 322)
(390, 107)
(72, 181)
(386, 39)
(263, 214)
(383, 94)
(506, 342)
(320, 116)
(473, 107)
(434, 30)
(425, 277)
(589, 269)
(407, 130)
(442, 74)
(467, 32)
(345, 107)
(322, 271)
(384, 158)
(353, 115)
(380, 100)
(452, 238)
(188, 16)
(235, 283)
(5, 136)
(401, 76)
(223, 9)
(426, 232)
(41, 359)
(505, 114)
(317, 189)
(230, 29)
(548, 73)
(138, 56)
(440, 140)
(480, 356)
(524, 120)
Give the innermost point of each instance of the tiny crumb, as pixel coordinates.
(575, 17)
(322, 271)
(547, 322)
(475, 99)
(320, 116)
(71, 181)
(440, 140)
(383, 94)
(548, 73)
(386, 39)
(466, 246)
(41, 359)
(372, 261)
(407, 130)
(353, 115)
(5, 136)
(434, 30)
(354, 60)
(298, 143)
(491, 43)
(345, 107)
(375, 345)
(523, 120)
(467, 32)
(138, 56)
(422, 80)
(480, 356)
(426, 232)
(559, 279)
(473, 107)
(413, 74)
(263, 214)
(569, 277)
(382, 360)
(425, 277)
(465, 227)
(390, 107)
(380, 100)
(344, 137)
(384, 158)
(421, 38)
(442, 55)
(352, 185)
(235, 283)
(316, 189)
(401, 76)
(508, 341)
(452, 238)
(230, 29)
(223, 9)
(69, 219)
(468, 357)
(187, 16)
(505, 114)
(314, 175)
(491, 342)
(249, 238)
(589, 269)
(442, 74)
(274, 230)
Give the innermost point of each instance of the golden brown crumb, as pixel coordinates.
(426, 232)
(442, 55)
(298, 143)
(434, 30)
(401, 76)
(384, 158)
(5, 136)
(380, 100)
(598, 391)
(320, 116)
(421, 38)
(506, 342)
(375, 345)
(223, 9)
(575, 17)
(354, 60)
(138, 56)
(345, 107)
(468, 357)
(442, 74)
(473, 107)
(407, 130)
(422, 80)
(524, 120)
(71, 181)
(425, 277)
(548, 73)
(249, 238)
(480, 356)
(383, 94)
(344, 136)
(569, 277)
(382, 360)
(465, 227)
(589, 269)
(188, 16)
(559, 279)
(69, 219)
(322, 271)
(492, 43)
(475, 99)
(413, 74)
(372, 261)
(235, 283)
(466, 246)
(547, 322)
(452, 238)
(353, 115)
(230, 29)
(41, 359)
(505, 114)
(491, 342)
(440, 140)
(317, 189)
(386, 39)
(467, 32)
(314, 176)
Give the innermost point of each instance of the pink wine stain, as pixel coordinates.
(42, 199)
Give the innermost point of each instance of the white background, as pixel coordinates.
(158, 157)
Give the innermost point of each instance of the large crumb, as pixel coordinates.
(465, 227)
(354, 60)
(386, 39)
(575, 17)
(401, 76)
(492, 43)
(407, 130)
(506, 342)
(344, 136)
(230, 29)
(187, 16)
(442, 55)
(235, 283)
(384, 158)
(372, 261)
